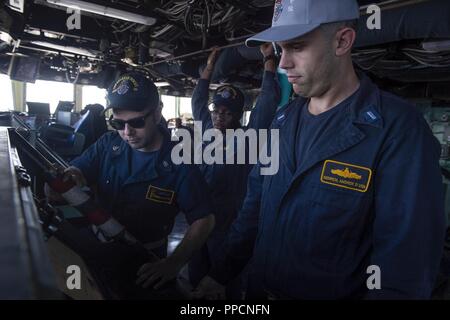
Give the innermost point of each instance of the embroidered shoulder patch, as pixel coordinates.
(160, 195)
(346, 175)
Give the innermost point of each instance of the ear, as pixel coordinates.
(345, 38)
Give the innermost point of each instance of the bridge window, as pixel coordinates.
(93, 95)
(168, 111)
(185, 107)
(6, 101)
(50, 92)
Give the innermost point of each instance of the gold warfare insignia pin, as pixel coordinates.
(345, 175)
(160, 195)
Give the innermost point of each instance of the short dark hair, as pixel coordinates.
(332, 27)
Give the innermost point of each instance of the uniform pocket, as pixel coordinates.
(336, 223)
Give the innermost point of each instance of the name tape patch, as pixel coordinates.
(346, 175)
(160, 195)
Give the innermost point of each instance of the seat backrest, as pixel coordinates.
(92, 124)
(57, 135)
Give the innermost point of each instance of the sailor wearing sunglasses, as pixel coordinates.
(140, 186)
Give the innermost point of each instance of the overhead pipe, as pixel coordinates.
(194, 54)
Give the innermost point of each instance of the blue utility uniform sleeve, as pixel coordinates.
(238, 246)
(199, 102)
(194, 198)
(266, 105)
(89, 162)
(409, 227)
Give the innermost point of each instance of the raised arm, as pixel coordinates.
(266, 106)
(200, 95)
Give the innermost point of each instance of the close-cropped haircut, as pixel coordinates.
(330, 29)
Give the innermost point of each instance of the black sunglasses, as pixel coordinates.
(136, 123)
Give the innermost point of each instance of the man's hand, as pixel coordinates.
(209, 289)
(74, 174)
(212, 58)
(266, 49)
(158, 273)
(207, 72)
(52, 196)
(71, 173)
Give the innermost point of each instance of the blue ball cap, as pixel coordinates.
(133, 92)
(230, 97)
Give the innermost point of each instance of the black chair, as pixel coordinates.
(92, 124)
(63, 140)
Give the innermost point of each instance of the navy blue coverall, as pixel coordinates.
(145, 202)
(227, 182)
(369, 194)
